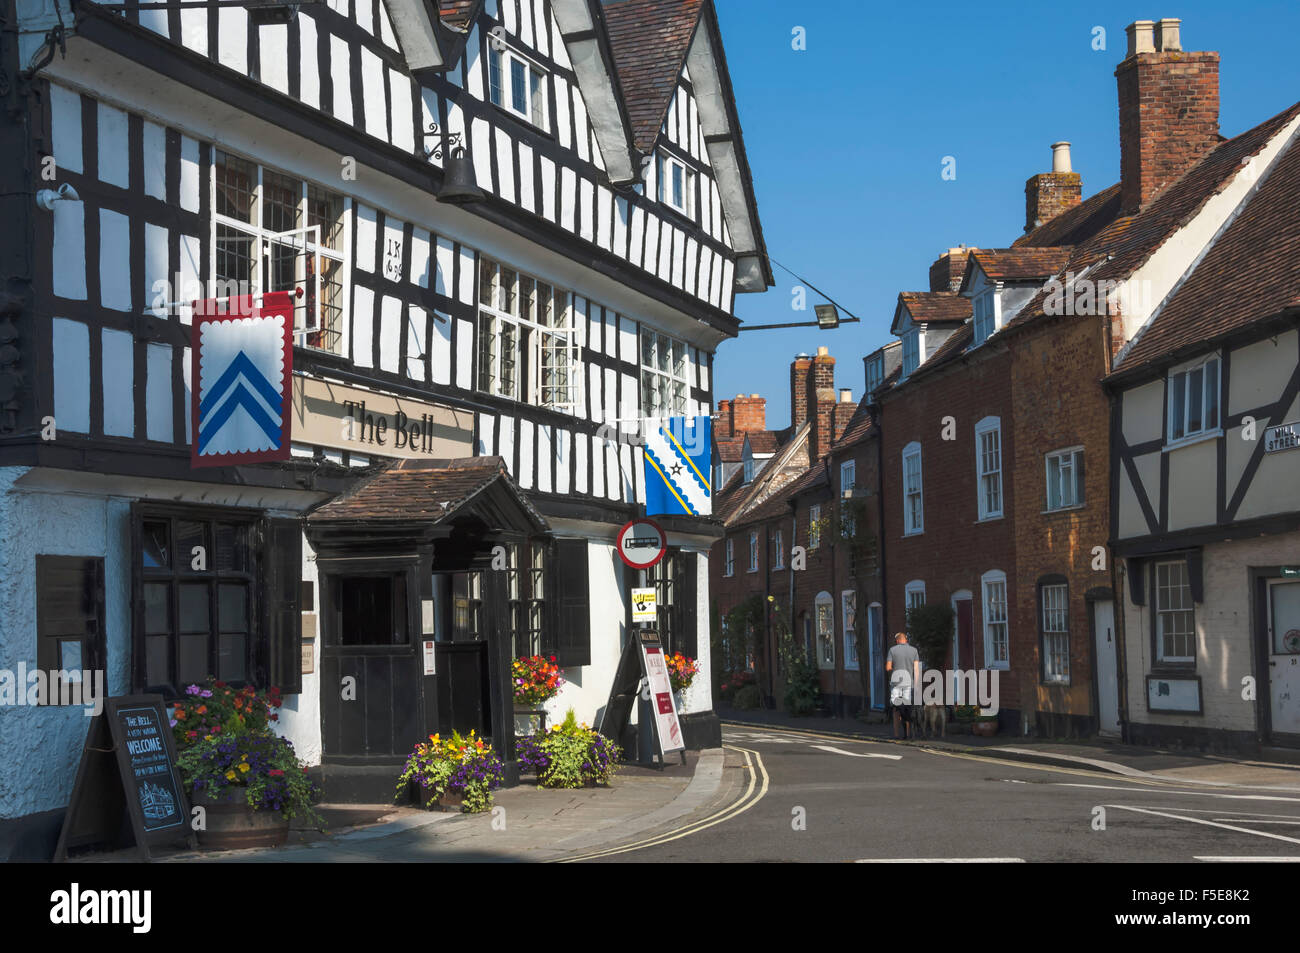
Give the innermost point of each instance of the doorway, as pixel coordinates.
(464, 686)
(1107, 668)
(372, 701)
(1283, 633)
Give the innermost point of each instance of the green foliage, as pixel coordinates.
(802, 686)
(966, 712)
(456, 765)
(746, 698)
(929, 628)
(569, 755)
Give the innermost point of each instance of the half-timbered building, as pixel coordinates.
(515, 229)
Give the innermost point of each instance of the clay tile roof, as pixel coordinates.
(1019, 264)
(1251, 272)
(1127, 243)
(1077, 225)
(649, 40)
(857, 429)
(778, 504)
(726, 501)
(730, 450)
(420, 490)
(763, 441)
(457, 13)
(935, 307)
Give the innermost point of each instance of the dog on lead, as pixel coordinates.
(934, 719)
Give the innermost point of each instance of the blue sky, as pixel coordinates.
(846, 140)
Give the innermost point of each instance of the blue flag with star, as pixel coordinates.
(678, 467)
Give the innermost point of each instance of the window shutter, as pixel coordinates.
(282, 590)
(572, 612)
(688, 633)
(1195, 577)
(1136, 577)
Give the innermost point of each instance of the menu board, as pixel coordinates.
(153, 776)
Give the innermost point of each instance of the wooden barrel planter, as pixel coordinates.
(230, 824)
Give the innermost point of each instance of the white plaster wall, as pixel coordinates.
(42, 746)
(1225, 644)
(300, 714)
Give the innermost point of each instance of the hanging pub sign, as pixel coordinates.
(128, 790)
(641, 543)
(241, 379)
(678, 461)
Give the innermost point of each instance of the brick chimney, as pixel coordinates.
(843, 412)
(748, 413)
(821, 399)
(1168, 110)
(948, 268)
(1048, 194)
(799, 390)
(724, 428)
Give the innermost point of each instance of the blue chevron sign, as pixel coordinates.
(241, 379)
(678, 465)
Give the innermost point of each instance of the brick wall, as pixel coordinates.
(1054, 382)
(955, 550)
(1049, 194)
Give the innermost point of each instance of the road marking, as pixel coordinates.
(858, 754)
(943, 860)
(1201, 820)
(1254, 820)
(753, 763)
(1250, 860)
(1235, 797)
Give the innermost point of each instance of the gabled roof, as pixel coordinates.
(787, 464)
(730, 448)
(1127, 243)
(425, 491)
(762, 441)
(857, 429)
(777, 505)
(1025, 263)
(1076, 225)
(930, 307)
(650, 39)
(1252, 272)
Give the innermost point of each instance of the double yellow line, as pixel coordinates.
(754, 792)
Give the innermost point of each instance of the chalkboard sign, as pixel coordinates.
(128, 790)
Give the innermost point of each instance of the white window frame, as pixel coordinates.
(988, 469)
(748, 467)
(913, 527)
(824, 630)
(848, 476)
(551, 348)
(989, 604)
(984, 316)
(875, 373)
(1075, 469)
(753, 550)
(1054, 633)
(814, 526)
(1163, 612)
(312, 247)
(913, 342)
(502, 60)
(913, 597)
(665, 164)
(848, 626)
(730, 569)
(778, 554)
(665, 381)
(1178, 383)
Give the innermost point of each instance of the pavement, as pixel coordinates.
(1281, 772)
(527, 823)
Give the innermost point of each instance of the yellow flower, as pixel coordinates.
(244, 768)
(230, 775)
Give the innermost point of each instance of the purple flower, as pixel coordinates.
(173, 721)
(193, 690)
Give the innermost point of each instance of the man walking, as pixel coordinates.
(904, 667)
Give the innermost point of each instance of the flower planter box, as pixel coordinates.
(230, 824)
(985, 729)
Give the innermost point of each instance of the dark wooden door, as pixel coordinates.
(464, 689)
(965, 635)
(371, 670)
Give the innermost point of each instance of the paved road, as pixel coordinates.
(803, 797)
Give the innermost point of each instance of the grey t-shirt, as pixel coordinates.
(902, 657)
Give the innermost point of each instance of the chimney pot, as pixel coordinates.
(823, 350)
(753, 395)
(1167, 35)
(846, 395)
(1061, 157)
(1141, 37)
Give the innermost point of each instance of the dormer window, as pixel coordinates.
(984, 309)
(875, 372)
(911, 350)
(676, 184)
(517, 85)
